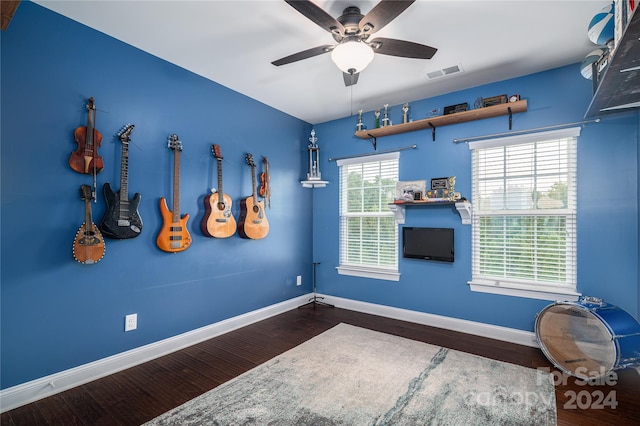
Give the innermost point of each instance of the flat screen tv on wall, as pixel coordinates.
(428, 243)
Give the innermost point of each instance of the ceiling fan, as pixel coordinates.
(351, 30)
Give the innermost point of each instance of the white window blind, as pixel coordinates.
(524, 214)
(368, 231)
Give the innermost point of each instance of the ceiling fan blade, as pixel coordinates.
(317, 15)
(350, 79)
(405, 49)
(305, 54)
(381, 14)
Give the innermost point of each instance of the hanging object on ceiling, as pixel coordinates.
(352, 30)
(586, 68)
(601, 27)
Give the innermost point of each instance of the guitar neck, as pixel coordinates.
(253, 184)
(220, 190)
(87, 215)
(176, 185)
(124, 173)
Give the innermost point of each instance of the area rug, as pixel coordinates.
(354, 376)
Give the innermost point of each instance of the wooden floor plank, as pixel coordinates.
(136, 395)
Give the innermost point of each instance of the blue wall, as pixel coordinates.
(607, 202)
(57, 313)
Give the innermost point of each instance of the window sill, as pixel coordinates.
(375, 273)
(523, 290)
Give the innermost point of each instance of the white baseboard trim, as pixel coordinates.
(512, 335)
(43, 387)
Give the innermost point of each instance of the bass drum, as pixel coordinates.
(588, 338)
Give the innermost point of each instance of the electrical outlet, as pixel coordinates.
(130, 322)
(299, 280)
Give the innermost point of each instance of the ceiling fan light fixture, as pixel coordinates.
(352, 55)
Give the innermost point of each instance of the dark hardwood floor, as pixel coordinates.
(138, 394)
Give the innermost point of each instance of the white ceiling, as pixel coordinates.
(234, 42)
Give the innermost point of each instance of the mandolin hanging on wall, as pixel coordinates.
(88, 246)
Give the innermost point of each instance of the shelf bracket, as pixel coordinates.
(375, 141)
(433, 132)
(510, 117)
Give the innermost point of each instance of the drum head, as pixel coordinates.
(576, 340)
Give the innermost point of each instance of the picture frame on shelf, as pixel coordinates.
(407, 190)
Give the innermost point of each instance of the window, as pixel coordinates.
(368, 230)
(524, 215)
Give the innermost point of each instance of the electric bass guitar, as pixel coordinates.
(253, 220)
(121, 220)
(218, 221)
(174, 235)
(88, 246)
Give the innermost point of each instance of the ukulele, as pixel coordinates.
(85, 159)
(265, 178)
(88, 246)
(174, 235)
(253, 220)
(121, 219)
(218, 221)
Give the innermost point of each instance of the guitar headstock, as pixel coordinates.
(216, 151)
(249, 159)
(86, 193)
(174, 143)
(125, 133)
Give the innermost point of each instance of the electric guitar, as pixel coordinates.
(218, 221)
(174, 235)
(253, 220)
(88, 246)
(121, 220)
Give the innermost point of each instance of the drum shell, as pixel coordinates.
(588, 340)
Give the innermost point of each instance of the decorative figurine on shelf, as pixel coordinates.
(377, 115)
(385, 120)
(314, 177)
(314, 157)
(360, 126)
(405, 113)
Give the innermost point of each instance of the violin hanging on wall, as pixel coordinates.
(86, 159)
(265, 178)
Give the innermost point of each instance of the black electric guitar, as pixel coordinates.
(121, 220)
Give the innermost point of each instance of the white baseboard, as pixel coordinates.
(43, 387)
(512, 335)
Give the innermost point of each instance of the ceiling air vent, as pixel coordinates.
(443, 72)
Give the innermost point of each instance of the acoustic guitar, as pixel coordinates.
(174, 235)
(253, 222)
(121, 219)
(218, 221)
(88, 246)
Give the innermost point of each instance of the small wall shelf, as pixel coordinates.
(445, 120)
(463, 207)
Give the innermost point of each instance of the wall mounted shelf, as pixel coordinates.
(445, 120)
(463, 208)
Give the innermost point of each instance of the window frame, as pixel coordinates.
(527, 288)
(362, 270)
